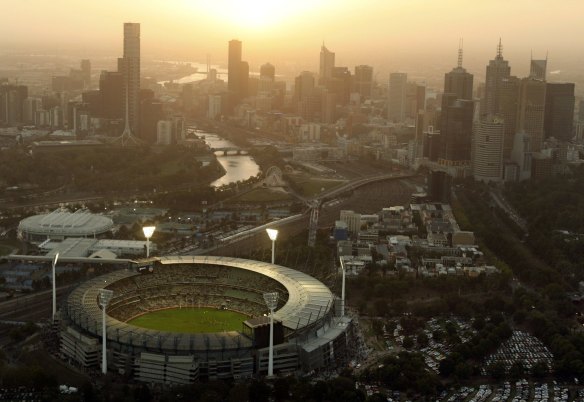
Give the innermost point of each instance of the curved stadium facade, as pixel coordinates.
(308, 334)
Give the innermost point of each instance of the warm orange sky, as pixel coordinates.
(387, 33)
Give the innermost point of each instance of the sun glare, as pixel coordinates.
(254, 14)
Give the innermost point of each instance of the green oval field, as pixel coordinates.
(191, 320)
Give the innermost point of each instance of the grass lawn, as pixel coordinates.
(262, 195)
(191, 320)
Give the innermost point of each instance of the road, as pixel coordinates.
(36, 307)
(500, 200)
(368, 197)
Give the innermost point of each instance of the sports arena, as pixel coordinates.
(61, 224)
(308, 334)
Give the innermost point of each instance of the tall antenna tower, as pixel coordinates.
(500, 50)
(127, 138)
(460, 53)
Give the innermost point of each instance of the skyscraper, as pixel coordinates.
(268, 71)
(559, 110)
(237, 74)
(508, 106)
(363, 80)
(111, 84)
(530, 115)
(497, 70)
(12, 99)
(458, 81)
(86, 72)
(488, 149)
(537, 69)
(456, 130)
(243, 80)
(397, 97)
(327, 62)
(130, 67)
(266, 81)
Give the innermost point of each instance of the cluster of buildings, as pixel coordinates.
(119, 105)
(512, 129)
(506, 128)
(421, 240)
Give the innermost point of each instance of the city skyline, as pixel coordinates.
(389, 35)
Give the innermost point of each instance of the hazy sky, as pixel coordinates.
(387, 33)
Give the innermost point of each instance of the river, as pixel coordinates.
(237, 167)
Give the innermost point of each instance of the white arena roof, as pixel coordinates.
(62, 223)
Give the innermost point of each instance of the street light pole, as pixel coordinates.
(148, 232)
(343, 287)
(273, 235)
(55, 259)
(105, 295)
(271, 300)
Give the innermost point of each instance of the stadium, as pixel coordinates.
(61, 224)
(308, 333)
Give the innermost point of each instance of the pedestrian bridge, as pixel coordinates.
(229, 151)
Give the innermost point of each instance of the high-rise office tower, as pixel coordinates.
(244, 79)
(488, 149)
(420, 98)
(308, 100)
(508, 106)
(129, 65)
(497, 70)
(397, 97)
(531, 110)
(86, 72)
(341, 84)
(303, 85)
(31, 105)
(459, 81)
(537, 69)
(234, 70)
(266, 81)
(268, 71)
(111, 87)
(363, 80)
(238, 74)
(12, 99)
(456, 130)
(327, 62)
(559, 111)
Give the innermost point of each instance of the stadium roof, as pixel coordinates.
(61, 222)
(309, 301)
(308, 298)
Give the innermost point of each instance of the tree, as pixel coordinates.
(259, 391)
(540, 369)
(422, 340)
(497, 370)
(408, 342)
(517, 370)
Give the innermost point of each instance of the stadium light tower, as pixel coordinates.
(273, 235)
(105, 296)
(148, 232)
(54, 286)
(271, 300)
(343, 287)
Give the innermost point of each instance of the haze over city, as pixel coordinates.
(413, 35)
(313, 201)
